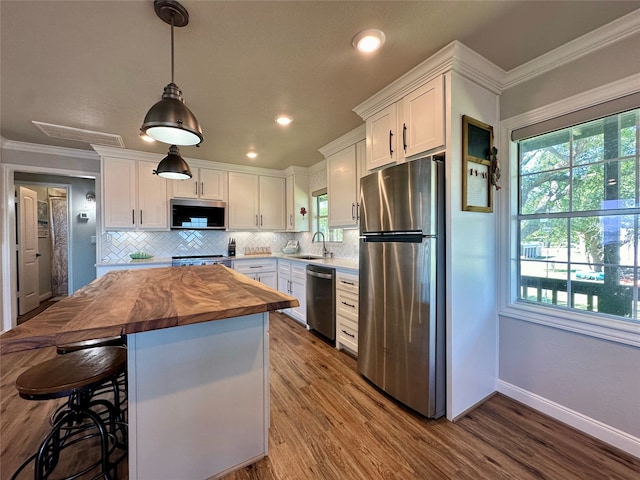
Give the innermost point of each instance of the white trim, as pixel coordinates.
(611, 33)
(354, 136)
(588, 425)
(620, 331)
(605, 93)
(48, 150)
(193, 162)
(7, 247)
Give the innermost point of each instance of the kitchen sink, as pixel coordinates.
(307, 257)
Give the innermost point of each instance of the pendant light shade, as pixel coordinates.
(173, 166)
(169, 120)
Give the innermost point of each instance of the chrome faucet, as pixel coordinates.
(325, 252)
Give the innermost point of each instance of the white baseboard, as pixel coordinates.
(45, 296)
(599, 430)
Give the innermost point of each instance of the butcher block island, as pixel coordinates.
(198, 362)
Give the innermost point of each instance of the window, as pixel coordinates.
(322, 218)
(578, 215)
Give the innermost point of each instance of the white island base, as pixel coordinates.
(198, 398)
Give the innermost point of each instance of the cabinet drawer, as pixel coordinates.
(284, 267)
(347, 305)
(347, 282)
(347, 336)
(254, 266)
(299, 270)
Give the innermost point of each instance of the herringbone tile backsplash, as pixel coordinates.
(116, 246)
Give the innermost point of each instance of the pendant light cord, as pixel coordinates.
(172, 47)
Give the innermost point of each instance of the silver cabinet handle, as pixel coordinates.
(201, 188)
(357, 211)
(256, 220)
(133, 216)
(291, 219)
(347, 283)
(390, 141)
(260, 219)
(196, 184)
(140, 216)
(353, 209)
(348, 304)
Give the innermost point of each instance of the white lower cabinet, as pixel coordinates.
(347, 311)
(261, 269)
(292, 280)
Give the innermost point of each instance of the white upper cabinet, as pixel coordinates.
(412, 125)
(342, 188)
(381, 138)
(422, 127)
(256, 202)
(243, 201)
(272, 203)
(297, 197)
(206, 184)
(133, 197)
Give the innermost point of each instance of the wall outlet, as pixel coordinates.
(93, 239)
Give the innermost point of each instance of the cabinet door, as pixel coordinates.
(297, 196)
(243, 201)
(341, 188)
(284, 276)
(185, 188)
(423, 118)
(381, 138)
(270, 279)
(211, 184)
(153, 205)
(272, 209)
(118, 193)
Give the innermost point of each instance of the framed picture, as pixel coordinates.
(43, 219)
(477, 143)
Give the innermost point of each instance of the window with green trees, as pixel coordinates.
(578, 214)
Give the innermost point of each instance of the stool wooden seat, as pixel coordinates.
(77, 375)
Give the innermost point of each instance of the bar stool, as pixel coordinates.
(76, 375)
(118, 387)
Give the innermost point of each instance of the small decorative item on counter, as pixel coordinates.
(303, 211)
(140, 255)
(495, 168)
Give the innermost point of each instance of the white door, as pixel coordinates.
(28, 271)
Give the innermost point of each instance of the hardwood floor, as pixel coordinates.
(328, 423)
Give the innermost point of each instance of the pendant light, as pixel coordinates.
(173, 166)
(169, 120)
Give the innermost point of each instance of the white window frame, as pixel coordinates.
(621, 331)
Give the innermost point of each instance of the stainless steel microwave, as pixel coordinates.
(198, 215)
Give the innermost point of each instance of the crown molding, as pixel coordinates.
(350, 138)
(590, 42)
(48, 149)
(455, 56)
(605, 93)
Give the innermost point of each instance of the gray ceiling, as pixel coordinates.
(100, 65)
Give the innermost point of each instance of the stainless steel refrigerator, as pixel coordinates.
(401, 321)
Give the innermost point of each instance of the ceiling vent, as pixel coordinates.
(80, 135)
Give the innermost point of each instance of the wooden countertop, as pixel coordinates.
(138, 300)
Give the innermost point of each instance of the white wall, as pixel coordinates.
(471, 263)
(588, 382)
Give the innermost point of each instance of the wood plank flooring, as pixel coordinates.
(328, 423)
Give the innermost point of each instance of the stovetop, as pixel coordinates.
(192, 260)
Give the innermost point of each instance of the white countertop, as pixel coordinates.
(340, 263)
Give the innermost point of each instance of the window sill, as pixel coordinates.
(619, 331)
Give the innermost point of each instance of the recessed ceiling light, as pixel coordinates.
(252, 154)
(368, 41)
(284, 119)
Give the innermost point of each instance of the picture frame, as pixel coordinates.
(477, 144)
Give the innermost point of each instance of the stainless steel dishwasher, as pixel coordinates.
(321, 301)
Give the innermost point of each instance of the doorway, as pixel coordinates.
(43, 247)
